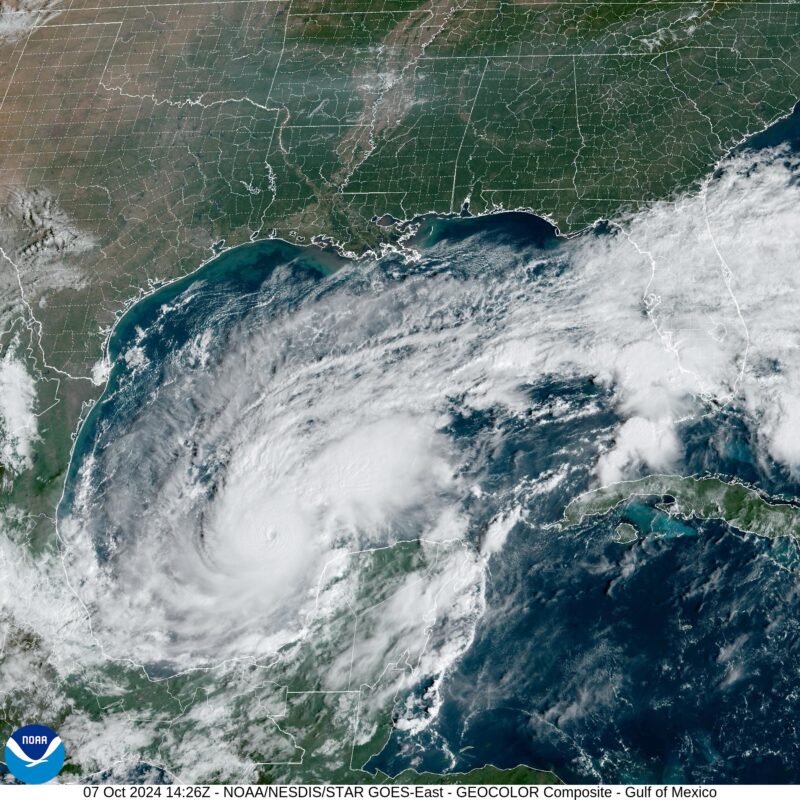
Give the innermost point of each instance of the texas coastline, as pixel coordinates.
(242, 270)
(254, 261)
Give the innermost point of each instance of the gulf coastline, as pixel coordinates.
(243, 270)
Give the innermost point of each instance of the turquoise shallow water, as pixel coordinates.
(648, 519)
(235, 281)
(596, 660)
(236, 275)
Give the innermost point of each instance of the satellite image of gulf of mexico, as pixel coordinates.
(405, 434)
(400, 394)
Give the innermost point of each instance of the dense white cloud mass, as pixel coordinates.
(240, 481)
(639, 441)
(723, 295)
(19, 17)
(17, 418)
(226, 513)
(321, 431)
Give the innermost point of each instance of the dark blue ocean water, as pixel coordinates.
(217, 296)
(783, 132)
(674, 658)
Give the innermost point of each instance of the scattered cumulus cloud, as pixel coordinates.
(224, 517)
(19, 17)
(321, 431)
(18, 430)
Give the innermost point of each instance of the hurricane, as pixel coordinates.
(296, 453)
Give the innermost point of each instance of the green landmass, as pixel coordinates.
(625, 533)
(199, 127)
(520, 775)
(740, 506)
(141, 138)
(317, 712)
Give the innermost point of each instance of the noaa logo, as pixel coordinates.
(34, 754)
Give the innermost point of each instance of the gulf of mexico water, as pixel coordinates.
(672, 658)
